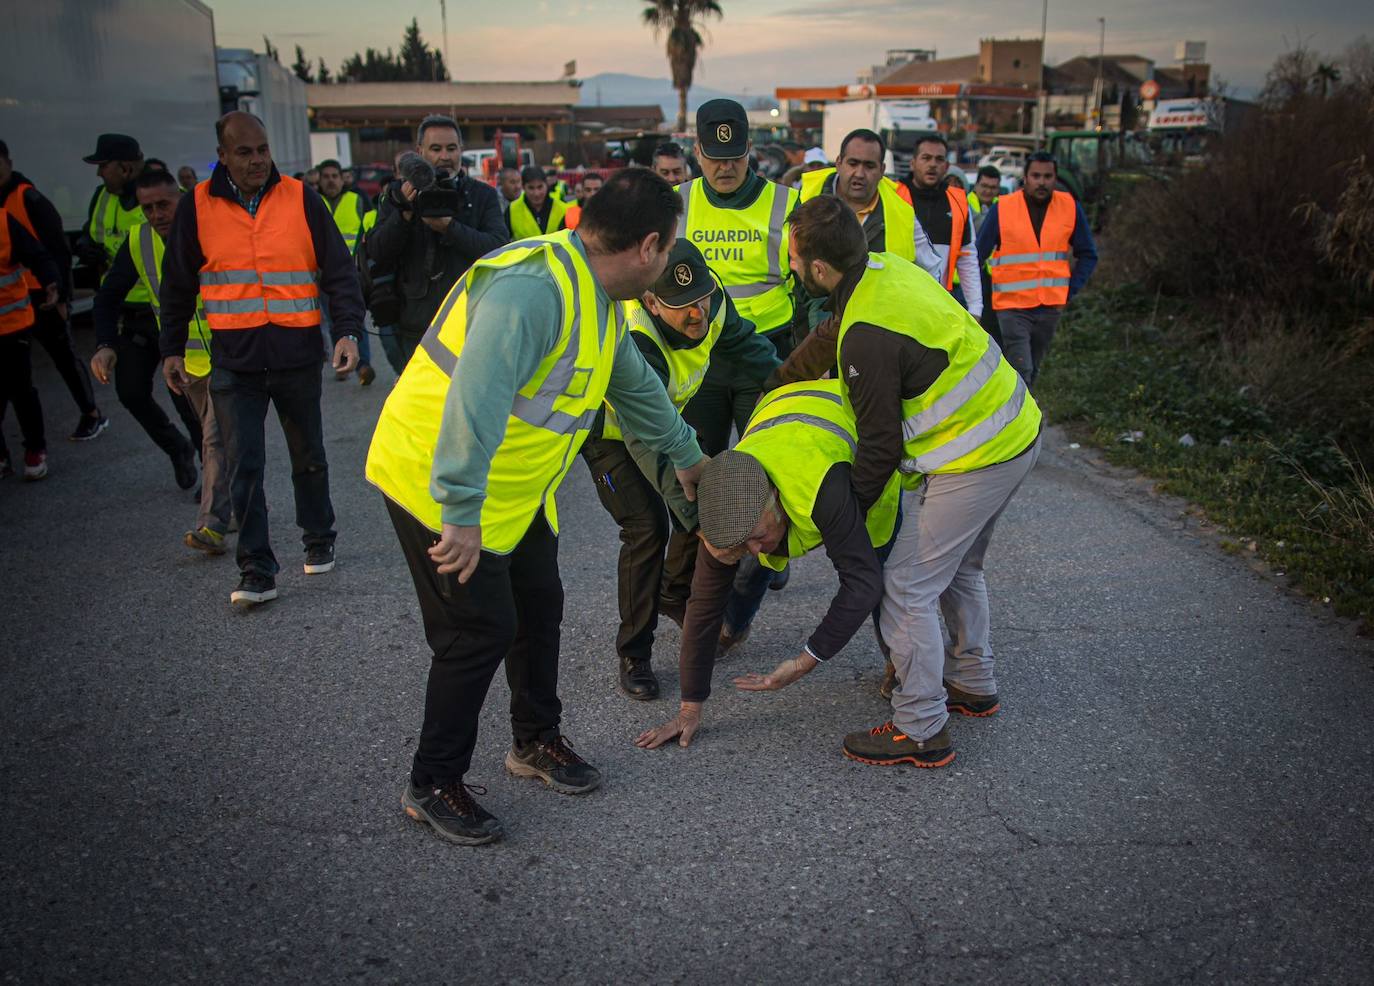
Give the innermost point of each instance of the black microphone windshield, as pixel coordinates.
(416, 170)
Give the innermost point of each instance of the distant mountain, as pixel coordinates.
(617, 89)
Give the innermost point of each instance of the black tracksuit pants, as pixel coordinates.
(138, 365)
(54, 333)
(510, 609)
(16, 387)
(638, 509)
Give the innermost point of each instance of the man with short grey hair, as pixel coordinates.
(429, 237)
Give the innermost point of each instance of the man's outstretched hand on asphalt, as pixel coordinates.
(780, 677)
(681, 727)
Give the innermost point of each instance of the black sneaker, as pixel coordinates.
(554, 763)
(184, 464)
(254, 589)
(89, 427)
(452, 812)
(319, 558)
(780, 579)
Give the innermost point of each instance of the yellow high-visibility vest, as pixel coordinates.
(899, 218)
(978, 412)
(146, 249)
(798, 433)
(747, 248)
(551, 415)
(110, 225)
(686, 367)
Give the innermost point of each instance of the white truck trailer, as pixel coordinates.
(75, 69)
(899, 121)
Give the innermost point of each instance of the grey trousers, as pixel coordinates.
(1026, 337)
(215, 505)
(936, 567)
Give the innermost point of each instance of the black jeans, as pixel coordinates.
(241, 401)
(16, 387)
(511, 608)
(638, 509)
(54, 333)
(138, 364)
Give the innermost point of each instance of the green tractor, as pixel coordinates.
(1099, 167)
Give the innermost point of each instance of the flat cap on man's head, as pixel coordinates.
(732, 495)
(722, 130)
(114, 147)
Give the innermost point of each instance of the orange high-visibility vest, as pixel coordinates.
(14, 205)
(572, 217)
(1027, 271)
(958, 222)
(16, 314)
(258, 269)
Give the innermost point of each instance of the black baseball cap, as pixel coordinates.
(686, 280)
(722, 129)
(114, 147)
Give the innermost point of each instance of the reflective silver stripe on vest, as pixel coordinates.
(962, 392)
(443, 357)
(213, 277)
(287, 306)
(15, 306)
(7, 279)
(1031, 285)
(824, 395)
(537, 411)
(777, 218)
(1027, 258)
(194, 343)
(150, 271)
(684, 192)
(806, 419)
(975, 438)
(239, 307)
(278, 278)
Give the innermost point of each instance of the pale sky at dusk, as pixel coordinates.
(766, 43)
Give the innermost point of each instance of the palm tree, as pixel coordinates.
(679, 18)
(1325, 76)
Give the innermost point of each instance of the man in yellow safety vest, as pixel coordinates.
(469, 452)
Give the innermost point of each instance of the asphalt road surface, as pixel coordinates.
(1178, 787)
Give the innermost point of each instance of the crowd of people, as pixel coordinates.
(869, 343)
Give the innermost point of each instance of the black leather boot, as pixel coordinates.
(637, 680)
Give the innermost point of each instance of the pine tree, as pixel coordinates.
(269, 50)
(323, 74)
(302, 66)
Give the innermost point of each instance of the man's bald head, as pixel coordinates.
(243, 150)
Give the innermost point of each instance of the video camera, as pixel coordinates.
(443, 199)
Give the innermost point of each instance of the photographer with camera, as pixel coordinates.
(433, 223)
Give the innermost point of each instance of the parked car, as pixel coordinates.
(372, 178)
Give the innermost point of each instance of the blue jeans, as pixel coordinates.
(241, 400)
(391, 345)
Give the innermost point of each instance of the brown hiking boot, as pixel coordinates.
(969, 704)
(885, 745)
(889, 684)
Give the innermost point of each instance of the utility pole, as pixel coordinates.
(1044, 100)
(443, 19)
(1097, 87)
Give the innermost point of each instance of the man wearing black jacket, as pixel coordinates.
(429, 253)
(40, 218)
(262, 299)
